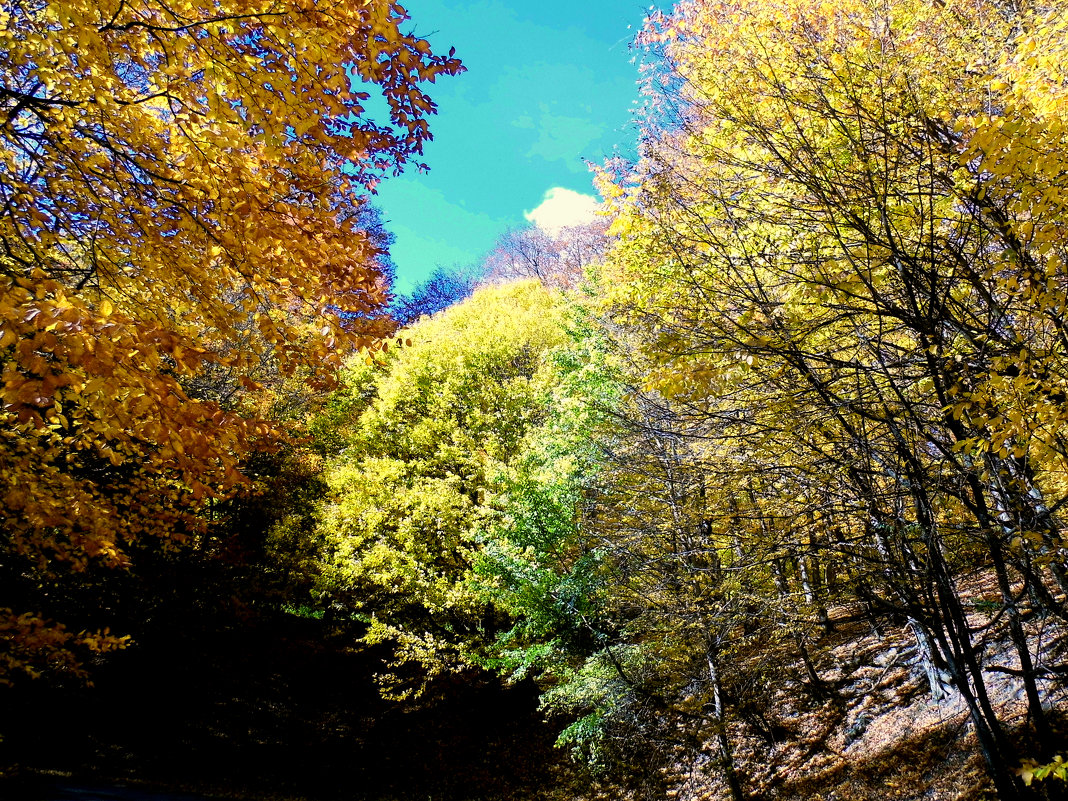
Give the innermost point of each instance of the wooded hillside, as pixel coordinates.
(751, 489)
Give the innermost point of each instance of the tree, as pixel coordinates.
(415, 452)
(181, 188)
(557, 259)
(851, 270)
(442, 288)
(541, 565)
(643, 598)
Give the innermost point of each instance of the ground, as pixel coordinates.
(286, 708)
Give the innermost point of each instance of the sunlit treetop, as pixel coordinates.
(165, 152)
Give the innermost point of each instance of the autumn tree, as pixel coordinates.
(444, 287)
(558, 258)
(854, 272)
(182, 189)
(414, 452)
(643, 601)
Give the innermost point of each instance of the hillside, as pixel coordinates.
(284, 710)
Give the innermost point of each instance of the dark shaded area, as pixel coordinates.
(226, 692)
(44, 790)
(275, 708)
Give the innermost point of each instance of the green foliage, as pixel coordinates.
(1031, 770)
(551, 565)
(538, 563)
(599, 694)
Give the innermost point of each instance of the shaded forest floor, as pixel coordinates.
(281, 709)
(277, 710)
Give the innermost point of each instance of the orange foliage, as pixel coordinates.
(32, 646)
(180, 193)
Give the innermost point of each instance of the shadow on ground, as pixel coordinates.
(276, 710)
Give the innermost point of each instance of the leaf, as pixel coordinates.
(176, 248)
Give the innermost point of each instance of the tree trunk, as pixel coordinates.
(929, 658)
(725, 755)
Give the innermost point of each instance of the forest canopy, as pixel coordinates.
(806, 381)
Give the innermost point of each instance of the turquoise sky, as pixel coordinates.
(550, 85)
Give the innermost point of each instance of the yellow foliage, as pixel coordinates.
(422, 452)
(846, 249)
(33, 646)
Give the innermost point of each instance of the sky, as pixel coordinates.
(550, 85)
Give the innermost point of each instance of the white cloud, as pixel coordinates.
(563, 207)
